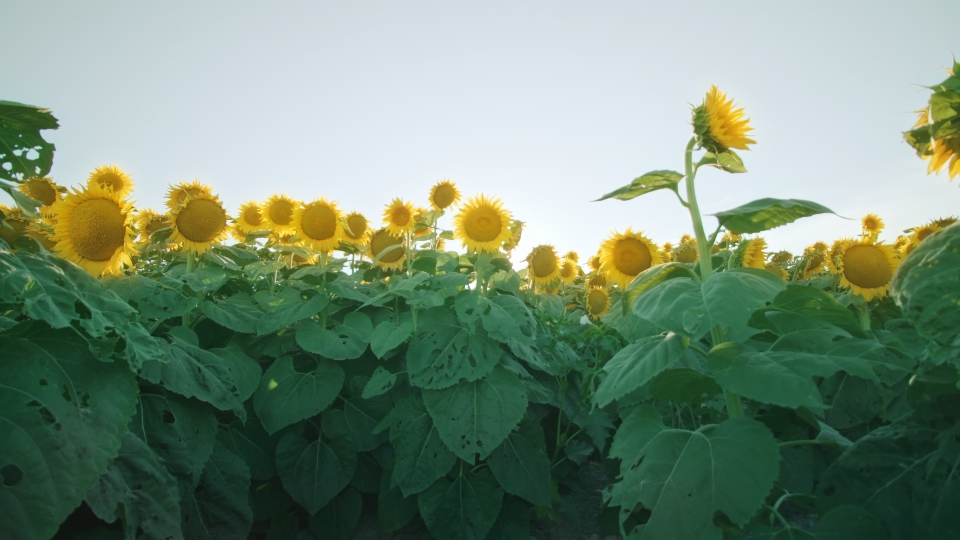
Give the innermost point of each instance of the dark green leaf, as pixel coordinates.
(290, 312)
(207, 278)
(314, 473)
(252, 443)
(808, 302)
(338, 519)
(852, 400)
(443, 352)
(520, 464)
(513, 522)
(421, 456)
(220, 506)
(181, 431)
(636, 364)
(684, 385)
(765, 214)
(238, 313)
(287, 395)
(151, 298)
(341, 343)
(394, 510)
(652, 181)
(380, 382)
(464, 509)
(23, 150)
(388, 335)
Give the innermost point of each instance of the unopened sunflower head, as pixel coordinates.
(112, 178)
(482, 225)
(443, 195)
(199, 223)
(93, 229)
(719, 125)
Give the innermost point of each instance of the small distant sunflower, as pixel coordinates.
(872, 225)
(277, 212)
(781, 257)
(572, 256)
(516, 231)
(819, 245)
(719, 124)
(867, 268)
(199, 223)
(357, 227)
(776, 270)
(814, 263)
(42, 189)
(752, 253)
(177, 195)
(443, 195)
(113, 178)
(730, 238)
(237, 234)
(93, 229)
(666, 252)
(901, 243)
(421, 217)
(596, 303)
(594, 262)
(594, 280)
(398, 218)
(482, 225)
(250, 219)
(317, 223)
(687, 251)
(148, 222)
(381, 240)
(624, 256)
(543, 265)
(945, 150)
(568, 271)
(17, 222)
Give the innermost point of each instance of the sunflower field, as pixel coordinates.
(291, 370)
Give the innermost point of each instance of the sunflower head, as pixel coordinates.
(781, 257)
(357, 228)
(13, 224)
(178, 194)
(443, 195)
(516, 231)
(751, 253)
(776, 270)
(543, 265)
(730, 238)
(398, 218)
(92, 229)
(624, 256)
(249, 218)
(568, 271)
(867, 267)
(424, 220)
(946, 151)
(43, 189)
(872, 225)
(277, 213)
(149, 222)
(199, 223)
(719, 125)
(113, 178)
(572, 255)
(594, 262)
(482, 225)
(594, 280)
(686, 252)
(814, 263)
(318, 224)
(393, 259)
(596, 303)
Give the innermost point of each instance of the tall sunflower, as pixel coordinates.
(872, 225)
(398, 218)
(751, 253)
(113, 178)
(596, 303)
(482, 225)
(867, 267)
(719, 124)
(199, 223)
(92, 228)
(250, 219)
(394, 259)
(815, 260)
(624, 256)
(317, 223)
(43, 189)
(543, 265)
(178, 194)
(357, 227)
(443, 195)
(595, 279)
(277, 212)
(686, 251)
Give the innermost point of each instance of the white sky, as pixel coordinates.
(546, 104)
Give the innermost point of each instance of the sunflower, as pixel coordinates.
(943, 223)
(149, 222)
(867, 267)
(178, 194)
(719, 125)
(516, 231)
(596, 302)
(250, 219)
(277, 212)
(781, 257)
(199, 223)
(13, 225)
(357, 228)
(666, 252)
(237, 234)
(624, 256)
(398, 218)
(872, 225)
(42, 233)
(43, 189)
(568, 271)
(687, 251)
(776, 270)
(422, 218)
(594, 262)
(751, 253)
(381, 240)
(944, 150)
(443, 195)
(901, 243)
(572, 255)
(594, 280)
(482, 224)
(814, 262)
(543, 265)
(834, 250)
(113, 178)
(730, 238)
(317, 223)
(92, 229)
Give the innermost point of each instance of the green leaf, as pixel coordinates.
(852, 401)
(684, 385)
(152, 299)
(206, 278)
(520, 464)
(138, 489)
(506, 317)
(650, 277)
(220, 506)
(684, 477)
(238, 313)
(246, 371)
(344, 342)
(380, 382)
(291, 312)
(474, 417)
(464, 509)
(808, 302)
(636, 364)
(314, 473)
(292, 391)
(181, 431)
(23, 150)
(443, 352)
(727, 161)
(421, 456)
(253, 444)
(388, 335)
(765, 214)
(394, 510)
(64, 413)
(513, 522)
(338, 519)
(361, 417)
(651, 181)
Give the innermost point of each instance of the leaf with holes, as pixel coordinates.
(220, 505)
(520, 464)
(181, 431)
(464, 509)
(637, 363)
(23, 150)
(444, 352)
(294, 389)
(421, 456)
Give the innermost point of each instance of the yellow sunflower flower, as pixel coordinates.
(815, 261)
(872, 225)
(148, 222)
(43, 189)
(13, 225)
(317, 224)
(543, 266)
(752, 254)
(781, 257)
(568, 271)
(250, 219)
(596, 303)
(237, 234)
(687, 251)
(719, 124)
(594, 262)
(776, 270)
(392, 260)
(422, 218)
(944, 151)
(277, 213)
(516, 231)
(624, 256)
(357, 228)
(93, 229)
(443, 195)
(177, 195)
(398, 218)
(666, 252)
(113, 178)
(199, 223)
(867, 268)
(482, 225)
(572, 256)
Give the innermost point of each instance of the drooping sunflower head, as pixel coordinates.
(596, 303)
(92, 229)
(594, 262)
(819, 245)
(781, 257)
(572, 255)
(380, 241)
(318, 224)
(13, 224)
(357, 227)
(901, 243)
(945, 150)
(199, 223)
(624, 256)
(113, 178)
(730, 238)
(237, 234)
(872, 225)
(568, 271)
(249, 219)
(751, 253)
(814, 262)
(867, 267)
(516, 230)
(443, 195)
(398, 218)
(776, 270)
(543, 265)
(43, 189)
(178, 194)
(719, 124)
(277, 213)
(482, 225)
(917, 235)
(148, 222)
(943, 223)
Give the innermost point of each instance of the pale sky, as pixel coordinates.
(546, 105)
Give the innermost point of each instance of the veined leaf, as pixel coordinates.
(20, 139)
(220, 506)
(338, 519)
(520, 464)
(765, 214)
(292, 391)
(444, 352)
(181, 431)
(421, 456)
(315, 472)
(636, 364)
(464, 509)
(651, 181)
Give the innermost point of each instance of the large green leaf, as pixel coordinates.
(238, 313)
(23, 150)
(388, 335)
(684, 385)
(64, 414)
(636, 364)
(343, 342)
(313, 473)
(684, 477)
(252, 443)
(152, 299)
(288, 311)
(808, 302)
(651, 181)
(338, 519)
(138, 489)
(292, 390)
(650, 277)
(444, 352)
(464, 509)
(765, 214)
(521, 464)
(504, 317)
(474, 417)
(181, 431)
(220, 506)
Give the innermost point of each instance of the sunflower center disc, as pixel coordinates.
(155, 225)
(358, 226)
(319, 222)
(443, 196)
(201, 220)
(281, 212)
(596, 302)
(483, 225)
(381, 241)
(543, 263)
(42, 192)
(97, 229)
(686, 254)
(866, 267)
(401, 217)
(566, 270)
(631, 256)
(252, 216)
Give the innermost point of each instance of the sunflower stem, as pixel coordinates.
(864, 311)
(191, 264)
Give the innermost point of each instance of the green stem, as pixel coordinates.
(191, 264)
(864, 311)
